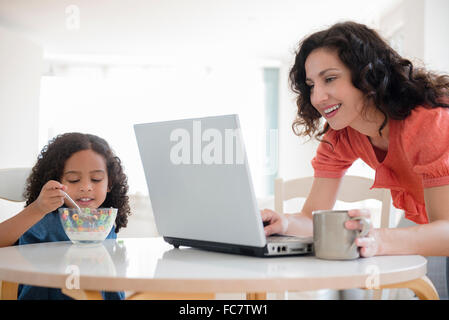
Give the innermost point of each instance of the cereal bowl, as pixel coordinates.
(87, 225)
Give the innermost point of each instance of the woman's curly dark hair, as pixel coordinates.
(389, 80)
(50, 166)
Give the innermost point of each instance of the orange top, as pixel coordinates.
(417, 158)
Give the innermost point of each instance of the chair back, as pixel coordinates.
(352, 189)
(12, 183)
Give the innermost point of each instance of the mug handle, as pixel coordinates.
(366, 225)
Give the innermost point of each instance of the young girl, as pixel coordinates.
(85, 167)
(379, 108)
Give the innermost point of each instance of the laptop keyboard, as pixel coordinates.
(284, 238)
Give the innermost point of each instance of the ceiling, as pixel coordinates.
(262, 29)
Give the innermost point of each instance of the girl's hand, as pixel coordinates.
(51, 197)
(277, 223)
(369, 245)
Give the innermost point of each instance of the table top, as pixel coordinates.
(150, 264)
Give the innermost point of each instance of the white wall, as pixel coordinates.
(403, 26)
(418, 30)
(21, 64)
(436, 46)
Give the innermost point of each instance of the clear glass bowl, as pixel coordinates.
(89, 225)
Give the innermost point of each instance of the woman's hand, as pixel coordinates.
(277, 223)
(51, 197)
(369, 245)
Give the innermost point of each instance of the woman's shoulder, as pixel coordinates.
(425, 124)
(341, 143)
(424, 138)
(334, 155)
(347, 139)
(428, 116)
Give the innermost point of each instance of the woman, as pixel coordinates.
(379, 108)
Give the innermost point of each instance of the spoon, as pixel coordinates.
(73, 202)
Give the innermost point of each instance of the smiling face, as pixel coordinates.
(86, 177)
(331, 90)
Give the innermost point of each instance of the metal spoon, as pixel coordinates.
(73, 202)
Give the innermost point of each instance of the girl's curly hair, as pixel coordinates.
(51, 161)
(389, 80)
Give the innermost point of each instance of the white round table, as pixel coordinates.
(153, 268)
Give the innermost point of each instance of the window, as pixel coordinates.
(109, 100)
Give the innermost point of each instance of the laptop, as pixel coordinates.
(201, 190)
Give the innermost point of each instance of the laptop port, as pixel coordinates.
(284, 248)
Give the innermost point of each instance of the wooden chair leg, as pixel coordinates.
(256, 296)
(422, 287)
(8, 290)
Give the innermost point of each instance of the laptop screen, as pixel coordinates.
(199, 181)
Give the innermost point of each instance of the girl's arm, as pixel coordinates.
(322, 196)
(50, 198)
(13, 228)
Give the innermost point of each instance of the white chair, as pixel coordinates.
(352, 189)
(12, 183)
(12, 187)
